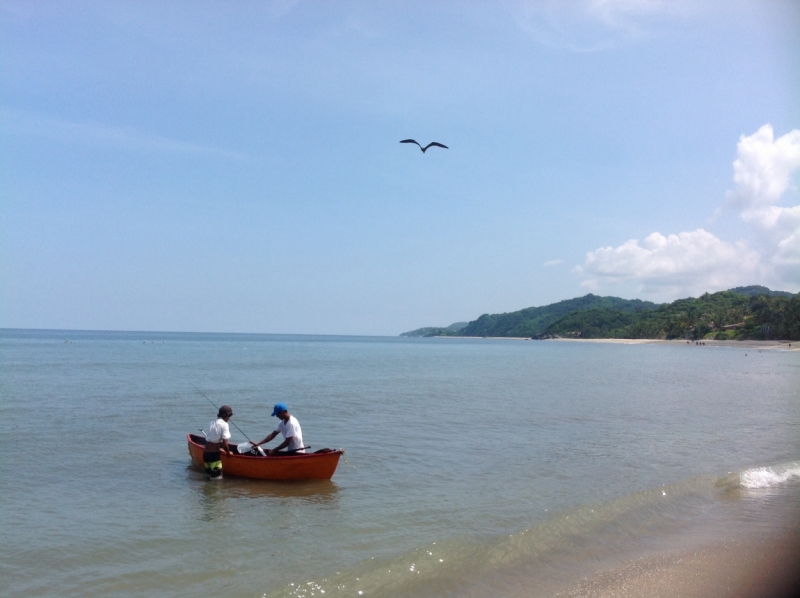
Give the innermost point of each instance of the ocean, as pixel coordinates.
(475, 467)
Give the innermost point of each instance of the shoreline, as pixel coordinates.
(747, 344)
(738, 568)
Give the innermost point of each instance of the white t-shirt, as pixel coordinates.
(217, 430)
(291, 429)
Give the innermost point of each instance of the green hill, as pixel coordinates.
(756, 290)
(751, 312)
(599, 322)
(451, 330)
(533, 321)
(722, 316)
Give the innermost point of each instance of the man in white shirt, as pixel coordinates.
(290, 428)
(217, 440)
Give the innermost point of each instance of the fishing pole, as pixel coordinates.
(217, 408)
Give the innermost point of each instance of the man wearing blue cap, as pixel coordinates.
(290, 428)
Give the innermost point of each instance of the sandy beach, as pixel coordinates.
(765, 568)
(781, 345)
(750, 344)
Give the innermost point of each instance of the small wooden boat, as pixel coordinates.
(301, 466)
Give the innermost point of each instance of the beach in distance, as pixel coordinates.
(475, 467)
(746, 344)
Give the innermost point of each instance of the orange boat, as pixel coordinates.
(302, 466)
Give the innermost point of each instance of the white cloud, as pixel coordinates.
(762, 172)
(698, 261)
(763, 168)
(552, 263)
(694, 261)
(787, 258)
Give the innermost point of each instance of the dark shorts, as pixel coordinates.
(212, 464)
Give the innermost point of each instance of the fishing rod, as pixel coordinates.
(217, 408)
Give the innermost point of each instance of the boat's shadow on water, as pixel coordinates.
(214, 494)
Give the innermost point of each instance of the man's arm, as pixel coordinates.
(269, 437)
(281, 446)
(224, 445)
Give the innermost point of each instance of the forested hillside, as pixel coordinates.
(753, 312)
(756, 290)
(532, 320)
(721, 316)
(451, 330)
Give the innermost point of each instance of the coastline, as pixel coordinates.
(748, 344)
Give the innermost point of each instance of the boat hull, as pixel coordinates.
(308, 466)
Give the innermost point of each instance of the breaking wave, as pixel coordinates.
(758, 478)
(766, 477)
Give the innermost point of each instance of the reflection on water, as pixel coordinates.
(215, 496)
(308, 491)
(214, 503)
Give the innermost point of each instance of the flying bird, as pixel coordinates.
(432, 143)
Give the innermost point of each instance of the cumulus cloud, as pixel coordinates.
(788, 255)
(673, 265)
(762, 172)
(698, 261)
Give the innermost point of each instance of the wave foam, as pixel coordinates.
(766, 477)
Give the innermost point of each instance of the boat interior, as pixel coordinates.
(202, 442)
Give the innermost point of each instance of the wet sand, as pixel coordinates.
(766, 568)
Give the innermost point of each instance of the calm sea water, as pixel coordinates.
(477, 467)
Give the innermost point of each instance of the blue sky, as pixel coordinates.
(208, 166)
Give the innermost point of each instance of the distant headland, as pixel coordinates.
(742, 313)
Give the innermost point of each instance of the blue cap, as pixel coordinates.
(279, 408)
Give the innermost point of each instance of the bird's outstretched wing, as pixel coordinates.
(435, 144)
(412, 141)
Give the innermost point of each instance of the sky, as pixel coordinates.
(235, 167)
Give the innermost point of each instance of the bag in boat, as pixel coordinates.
(246, 448)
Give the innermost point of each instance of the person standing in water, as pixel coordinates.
(216, 441)
(290, 428)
